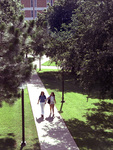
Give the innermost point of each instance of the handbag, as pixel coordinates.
(49, 101)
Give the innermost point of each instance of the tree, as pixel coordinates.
(60, 49)
(93, 30)
(85, 46)
(14, 41)
(59, 13)
(40, 36)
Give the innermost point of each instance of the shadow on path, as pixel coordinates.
(56, 134)
(50, 119)
(39, 120)
(35, 81)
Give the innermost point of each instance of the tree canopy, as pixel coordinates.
(14, 42)
(59, 13)
(40, 36)
(86, 48)
(94, 19)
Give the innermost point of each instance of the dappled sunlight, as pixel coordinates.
(89, 120)
(97, 128)
(88, 138)
(52, 132)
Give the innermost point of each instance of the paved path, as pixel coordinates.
(43, 60)
(52, 132)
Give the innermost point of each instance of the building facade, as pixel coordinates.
(31, 7)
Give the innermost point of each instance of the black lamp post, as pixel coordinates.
(62, 90)
(23, 143)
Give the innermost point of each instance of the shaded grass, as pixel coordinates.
(11, 126)
(47, 70)
(90, 123)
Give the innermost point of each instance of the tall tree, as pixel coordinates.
(40, 35)
(14, 41)
(60, 12)
(93, 30)
(86, 48)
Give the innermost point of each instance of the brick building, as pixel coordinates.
(31, 7)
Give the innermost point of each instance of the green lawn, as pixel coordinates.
(90, 123)
(11, 126)
(49, 63)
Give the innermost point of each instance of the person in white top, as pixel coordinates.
(52, 102)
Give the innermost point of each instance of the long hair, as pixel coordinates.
(52, 94)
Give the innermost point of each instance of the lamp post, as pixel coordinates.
(23, 143)
(62, 90)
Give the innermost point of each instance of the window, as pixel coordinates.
(31, 3)
(35, 3)
(31, 13)
(51, 2)
(35, 13)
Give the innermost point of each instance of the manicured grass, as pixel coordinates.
(90, 123)
(49, 63)
(47, 70)
(11, 126)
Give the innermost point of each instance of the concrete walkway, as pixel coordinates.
(43, 60)
(52, 132)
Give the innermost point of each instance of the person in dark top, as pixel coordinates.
(42, 100)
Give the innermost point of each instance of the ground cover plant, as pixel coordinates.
(11, 126)
(90, 121)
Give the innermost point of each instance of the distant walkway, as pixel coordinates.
(43, 60)
(52, 132)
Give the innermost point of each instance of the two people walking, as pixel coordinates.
(43, 100)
